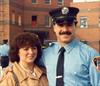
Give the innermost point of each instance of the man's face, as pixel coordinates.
(64, 32)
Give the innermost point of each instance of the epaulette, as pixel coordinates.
(47, 46)
(51, 44)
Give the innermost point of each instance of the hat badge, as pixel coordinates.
(65, 10)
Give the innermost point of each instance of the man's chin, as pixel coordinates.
(67, 41)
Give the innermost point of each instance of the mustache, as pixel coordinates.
(65, 33)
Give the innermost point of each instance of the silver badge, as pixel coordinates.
(65, 10)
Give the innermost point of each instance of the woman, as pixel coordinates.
(24, 53)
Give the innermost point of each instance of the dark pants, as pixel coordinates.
(4, 61)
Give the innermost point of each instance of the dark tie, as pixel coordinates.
(60, 68)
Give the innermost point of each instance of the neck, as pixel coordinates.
(26, 67)
(64, 43)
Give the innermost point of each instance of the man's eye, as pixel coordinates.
(70, 25)
(61, 25)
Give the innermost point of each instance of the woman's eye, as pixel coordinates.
(26, 48)
(34, 48)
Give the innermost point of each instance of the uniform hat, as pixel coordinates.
(64, 14)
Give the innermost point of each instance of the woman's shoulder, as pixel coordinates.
(7, 79)
(6, 76)
(9, 73)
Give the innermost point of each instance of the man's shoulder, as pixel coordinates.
(87, 48)
(51, 46)
(6, 77)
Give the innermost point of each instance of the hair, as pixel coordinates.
(5, 41)
(23, 40)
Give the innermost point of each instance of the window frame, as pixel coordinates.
(47, 21)
(19, 20)
(60, 3)
(47, 2)
(13, 20)
(99, 21)
(34, 2)
(83, 22)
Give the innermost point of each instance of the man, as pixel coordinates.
(4, 49)
(79, 69)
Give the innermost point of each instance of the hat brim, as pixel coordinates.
(64, 20)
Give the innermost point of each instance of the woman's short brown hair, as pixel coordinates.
(23, 40)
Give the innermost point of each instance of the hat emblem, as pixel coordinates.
(65, 10)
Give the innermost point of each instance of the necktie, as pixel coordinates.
(60, 68)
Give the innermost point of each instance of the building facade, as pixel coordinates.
(11, 18)
(32, 16)
(88, 28)
(17, 16)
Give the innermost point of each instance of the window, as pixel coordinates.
(60, 2)
(99, 22)
(34, 21)
(47, 1)
(19, 20)
(34, 1)
(47, 21)
(13, 18)
(86, 0)
(83, 22)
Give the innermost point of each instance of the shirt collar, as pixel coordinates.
(68, 47)
(23, 75)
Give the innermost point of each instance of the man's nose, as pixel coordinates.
(65, 28)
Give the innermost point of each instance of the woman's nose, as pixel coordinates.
(30, 50)
(65, 28)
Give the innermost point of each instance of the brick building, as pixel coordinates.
(17, 16)
(11, 18)
(88, 28)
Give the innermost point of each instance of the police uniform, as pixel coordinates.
(79, 69)
(4, 50)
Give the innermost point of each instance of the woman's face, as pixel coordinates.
(27, 54)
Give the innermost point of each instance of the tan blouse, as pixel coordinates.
(24, 79)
